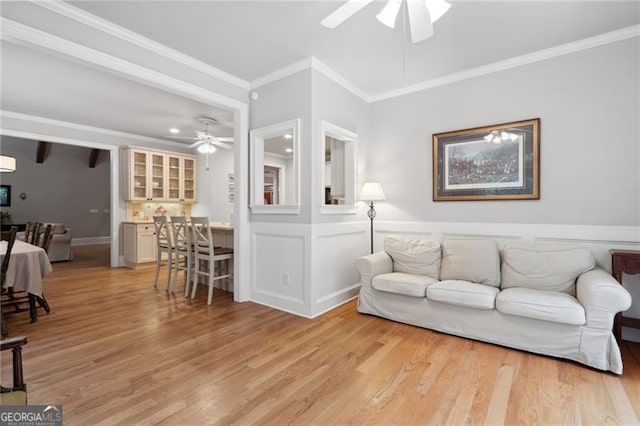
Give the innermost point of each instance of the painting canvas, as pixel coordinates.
(487, 163)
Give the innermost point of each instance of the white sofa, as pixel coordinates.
(548, 301)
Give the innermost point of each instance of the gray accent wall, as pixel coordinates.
(61, 189)
(588, 103)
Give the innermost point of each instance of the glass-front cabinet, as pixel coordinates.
(182, 178)
(159, 176)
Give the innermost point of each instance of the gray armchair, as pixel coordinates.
(60, 248)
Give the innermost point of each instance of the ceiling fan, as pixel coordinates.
(206, 143)
(422, 15)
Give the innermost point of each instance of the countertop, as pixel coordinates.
(224, 226)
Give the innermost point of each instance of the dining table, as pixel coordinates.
(28, 265)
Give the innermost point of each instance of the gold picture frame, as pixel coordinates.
(497, 162)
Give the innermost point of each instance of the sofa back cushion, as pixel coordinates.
(418, 256)
(545, 268)
(57, 228)
(477, 261)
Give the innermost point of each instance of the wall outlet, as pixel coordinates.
(93, 210)
(285, 278)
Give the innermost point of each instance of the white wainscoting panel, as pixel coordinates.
(335, 279)
(280, 266)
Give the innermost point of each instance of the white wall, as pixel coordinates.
(338, 106)
(588, 106)
(61, 189)
(213, 186)
(287, 99)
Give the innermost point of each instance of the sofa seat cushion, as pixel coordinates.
(401, 283)
(477, 261)
(414, 255)
(463, 293)
(544, 305)
(545, 269)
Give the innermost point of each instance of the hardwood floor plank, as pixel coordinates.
(115, 350)
(497, 410)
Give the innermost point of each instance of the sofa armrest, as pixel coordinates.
(373, 264)
(602, 297)
(65, 237)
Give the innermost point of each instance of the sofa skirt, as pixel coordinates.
(596, 348)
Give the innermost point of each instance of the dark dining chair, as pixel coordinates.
(17, 299)
(32, 233)
(47, 236)
(5, 266)
(17, 393)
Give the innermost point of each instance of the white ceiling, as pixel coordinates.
(252, 39)
(49, 86)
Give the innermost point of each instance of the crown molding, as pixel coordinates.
(333, 75)
(314, 64)
(108, 27)
(530, 58)
(280, 73)
(75, 126)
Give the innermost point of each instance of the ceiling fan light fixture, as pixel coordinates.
(437, 8)
(389, 14)
(206, 148)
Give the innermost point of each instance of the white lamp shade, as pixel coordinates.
(7, 164)
(372, 191)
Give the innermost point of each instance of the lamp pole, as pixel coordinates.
(371, 213)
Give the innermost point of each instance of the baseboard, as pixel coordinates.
(631, 334)
(90, 240)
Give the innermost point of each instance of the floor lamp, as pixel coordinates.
(372, 191)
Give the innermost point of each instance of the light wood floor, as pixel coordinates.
(114, 350)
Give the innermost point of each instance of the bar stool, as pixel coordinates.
(182, 248)
(163, 245)
(205, 254)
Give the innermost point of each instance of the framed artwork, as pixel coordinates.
(498, 162)
(5, 195)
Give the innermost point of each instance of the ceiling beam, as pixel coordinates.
(42, 150)
(93, 158)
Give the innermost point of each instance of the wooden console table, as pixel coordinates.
(628, 262)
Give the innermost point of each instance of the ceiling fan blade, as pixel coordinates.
(389, 13)
(344, 12)
(200, 142)
(437, 8)
(419, 20)
(181, 137)
(221, 144)
(224, 139)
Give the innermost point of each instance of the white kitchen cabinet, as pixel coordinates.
(139, 244)
(181, 176)
(159, 176)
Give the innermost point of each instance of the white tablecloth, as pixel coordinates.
(27, 266)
